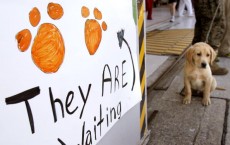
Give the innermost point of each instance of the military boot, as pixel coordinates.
(217, 70)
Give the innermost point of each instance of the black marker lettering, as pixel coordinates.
(83, 134)
(88, 138)
(101, 119)
(84, 98)
(119, 110)
(104, 80)
(123, 73)
(68, 103)
(95, 129)
(62, 143)
(52, 101)
(25, 96)
(107, 117)
(120, 36)
(112, 114)
(116, 78)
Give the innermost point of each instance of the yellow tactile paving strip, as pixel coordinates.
(168, 42)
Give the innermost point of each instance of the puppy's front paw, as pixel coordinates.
(187, 100)
(206, 101)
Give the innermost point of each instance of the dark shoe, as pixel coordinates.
(149, 18)
(217, 70)
(217, 59)
(172, 19)
(225, 55)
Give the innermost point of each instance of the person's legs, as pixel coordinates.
(198, 26)
(216, 34)
(149, 5)
(177, 4)
(214, 38)
(197, 32)
(203, 21)
(224, 49)
(188, 4)
(172, 7)
(181, 8)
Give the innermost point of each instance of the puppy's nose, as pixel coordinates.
(203, 65)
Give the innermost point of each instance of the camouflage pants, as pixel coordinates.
(204, 12)
(225, 45)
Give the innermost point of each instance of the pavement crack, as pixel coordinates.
(225, 125)
(199, 128)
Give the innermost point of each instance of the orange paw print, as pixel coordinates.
(93, 32)
(48, 48)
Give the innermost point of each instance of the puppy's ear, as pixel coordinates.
(213, 55)
(189, 55)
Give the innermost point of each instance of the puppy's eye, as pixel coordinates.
(208, 55)
(198, 54)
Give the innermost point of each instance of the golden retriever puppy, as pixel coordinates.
(197, 72)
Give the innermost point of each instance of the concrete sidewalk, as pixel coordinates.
(193, 124)
(174, 123)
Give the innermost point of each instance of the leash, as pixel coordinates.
(210, 27)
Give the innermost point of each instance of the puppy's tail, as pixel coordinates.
(220, 88)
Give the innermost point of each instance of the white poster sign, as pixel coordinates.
(69, 70)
